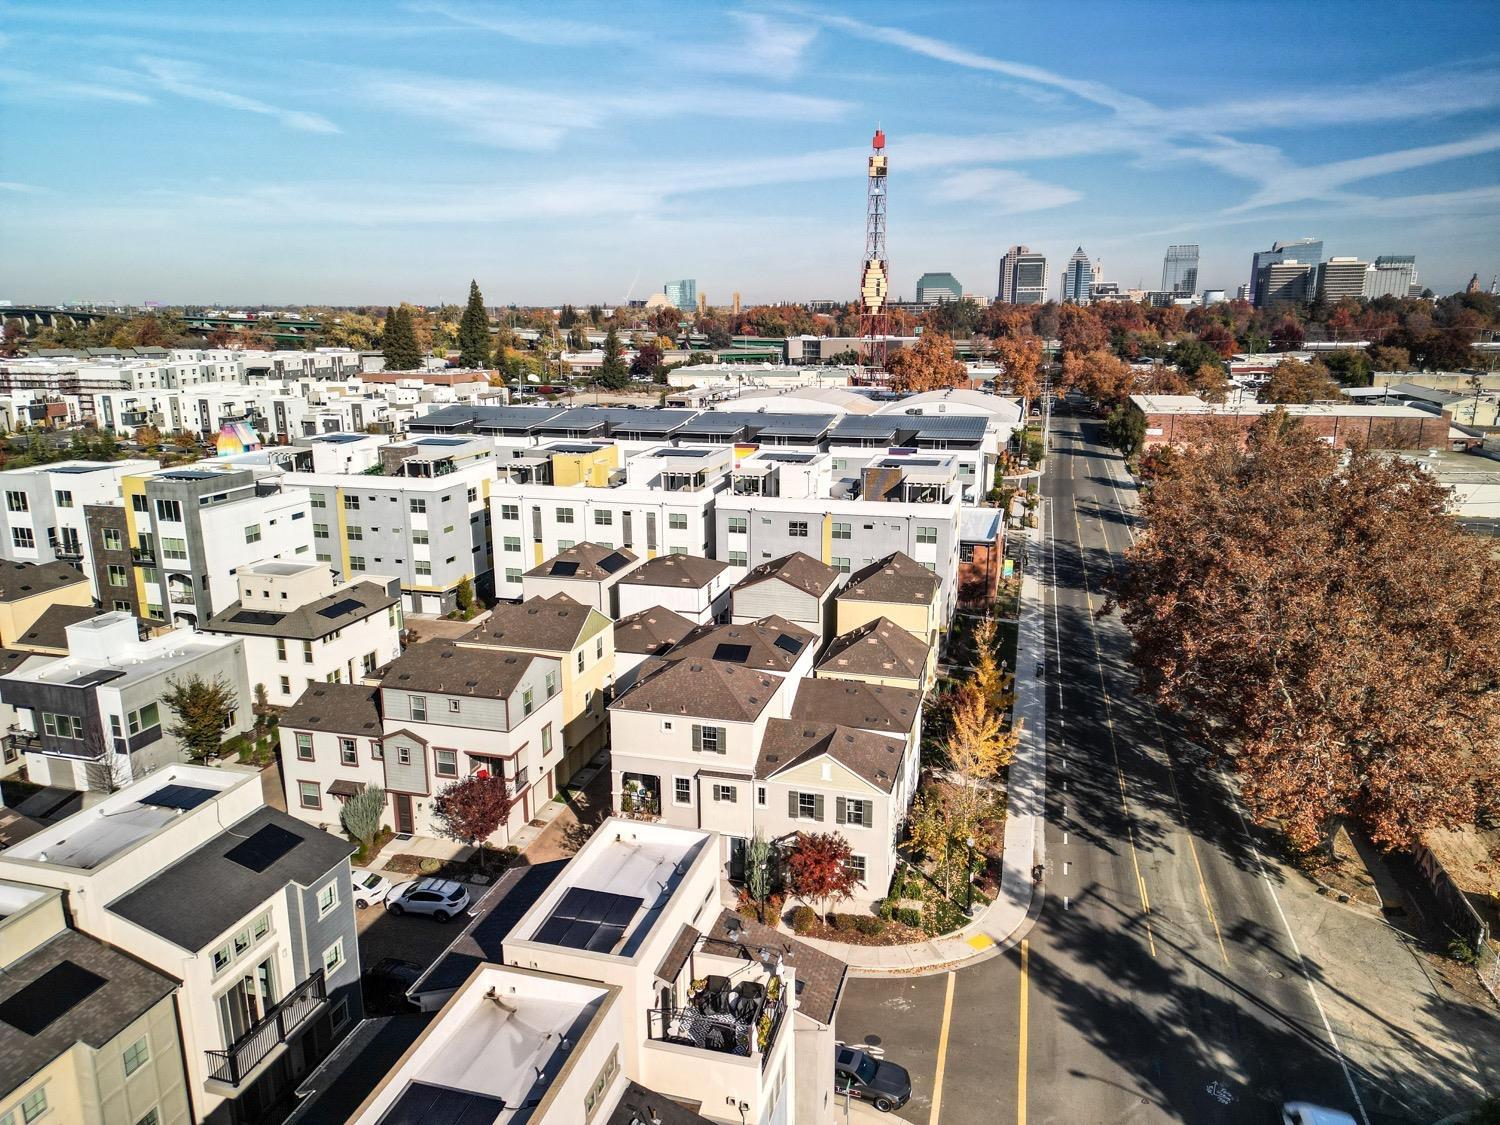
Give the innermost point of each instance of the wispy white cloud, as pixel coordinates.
(39, 87)
(772, 48)
(185, 80)
(1002, 190)
(19, 188)
(523, 28)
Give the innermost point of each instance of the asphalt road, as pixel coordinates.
(1162, 981)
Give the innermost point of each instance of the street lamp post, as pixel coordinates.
(969, 905)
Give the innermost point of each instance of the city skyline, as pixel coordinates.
(377, 154)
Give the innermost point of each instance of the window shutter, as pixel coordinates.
(723, 740)
(839, 814)
(697, 738)
(818, 807)
(791, 804)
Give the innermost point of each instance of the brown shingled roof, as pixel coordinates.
(772, 644)
(552, 624)
(895, 578)
(877, 648)
(850, 703)
(799, 570)
(703, 689)
(50, 629)
(820, 976)
(20, 580)
(678, 571)
(586, 562)
(651, 632)
(453, 669)
(789, 742)
(338, 708)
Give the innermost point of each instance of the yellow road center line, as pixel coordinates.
(942, 1053)
(1025, 1008)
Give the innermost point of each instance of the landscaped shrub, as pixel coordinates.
(843, 923)
(804, 920)
(907, 916)
(868, 924)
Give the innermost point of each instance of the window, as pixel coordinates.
(926, 534)
(319, 500)
(446, 763)
(139, 503)
(351, 503)
(840, 564)
(174, 548)
(62, 726)
(34, 1104)
(852, 810)
(676, 521)
(739, 558)
(594, 1095)
(419, 538)
(419, 505)
(564, 544)
(328, 898)
(565, 515)
(320, 530)
(546, 740)
(966, 553)
(333, 957)
(551, 681)
(340, 1016)
(117, 575)
(843, 531)
(682, 790)
(738, 525)
(403, 755)
(147, 717)
(137, 1055)
(123, 607)
(525, 701)
(113, 541)
(64, 498)
(304, 746)
(728, 794)
(512, 574)
(603, 517)
(169, 510)
(151, 1118)
(418, 705)
(805, 806)
(354, 533)
(510, 511)
(17, 502)
(377, 751)
(511, 543)
(760, 796)
(581, 655)
(422, 568)
(252, 533)
(710, 740)
(356, 562)
(307, 652)
(797, 529)
(473, 495)
(855, 865)
(280, 648)
(348, 755)
(286, 685)
(599, 649)
(22, 537)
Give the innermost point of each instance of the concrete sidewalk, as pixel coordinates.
(1025, 846)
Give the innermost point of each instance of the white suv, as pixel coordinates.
(440, 899)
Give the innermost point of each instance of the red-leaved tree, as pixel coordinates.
(818, 869)
(472, 809)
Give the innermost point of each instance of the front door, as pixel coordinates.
(737, 859)
(403, 813)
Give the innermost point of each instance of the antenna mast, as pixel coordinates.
(875, 278)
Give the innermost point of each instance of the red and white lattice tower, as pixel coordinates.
(875, 277)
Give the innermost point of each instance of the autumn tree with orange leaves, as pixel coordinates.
(929, 366)
(1327, 627)
(1020, 360)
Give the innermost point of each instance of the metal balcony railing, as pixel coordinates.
(276, 1027)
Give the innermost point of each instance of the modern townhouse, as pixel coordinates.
(442, 711)
(170, 549)
(340, 452)
(29, 590)
(981, 557)
(858, 441)
(44, 509)
(796, 587)
(88, 1035)
(880, 652)
(248, 910)
(578, 637)
(690, 585)
(899, 589)
(679, 468)
(783, 472)
(424, 520)
(587, 573)
(203, 409)
(300, 628)
(94, 718)
(771, 644)
(643, 635)
(846, 535)
(892, 711)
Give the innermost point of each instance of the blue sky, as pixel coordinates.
(586, 152)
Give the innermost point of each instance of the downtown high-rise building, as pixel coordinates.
(1078, 279)
(1340, 278)
(937, 288)
(1391, 275)
(1179, 270)
(1308, 251)
(682, 294)
(1286, 281)
(1023, 277)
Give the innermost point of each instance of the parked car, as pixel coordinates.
(369, 888)
(439, 899)
(1305, 1113)
(883, 1084)
(386, 985)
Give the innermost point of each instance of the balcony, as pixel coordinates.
(182, 597)
(146, 555)
(291, 1013)
(18, 740)
(742, 1021)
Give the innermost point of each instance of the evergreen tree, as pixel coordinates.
(613, 373)
(474, 331)
(398, 341)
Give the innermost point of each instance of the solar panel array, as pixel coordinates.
(422, 1103)
(341, 607)
(564, 569)
(96, 677)
(263, 847)
(257, 617)
(789, 643)
(731, 653)
(48, 998)
(178, 797)
(588, 919)
(613, 562)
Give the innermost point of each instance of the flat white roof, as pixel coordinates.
(1192, 404)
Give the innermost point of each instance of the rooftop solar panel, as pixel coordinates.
(178, 797)
(613, 562)
(588, 919)
(731, 653)
(422, 1103)
(96, 677)
(256, 617)
(604, 938)
(263, 848)
(565, 569)
(340, 608)
(788, 643)
(52, 995)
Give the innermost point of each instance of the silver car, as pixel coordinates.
(439, 899)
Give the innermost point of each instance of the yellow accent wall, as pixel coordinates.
(828, 540)
(338, 507)
(131, 487)
(592, 469)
